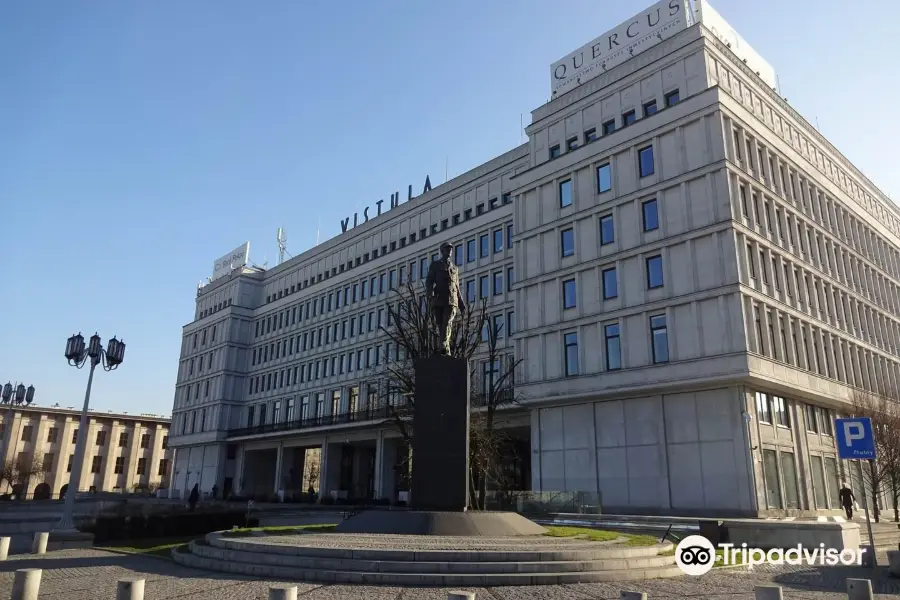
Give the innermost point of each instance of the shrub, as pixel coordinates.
(166, 525)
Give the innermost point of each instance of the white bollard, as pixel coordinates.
(130, 589)
(27, 584)
(39, 543)
(768, 592)
(859, 589)
(283, 592)
(460, 595)
(4, 548)
(623, 595)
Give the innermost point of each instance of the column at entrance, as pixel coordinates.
(385, 462)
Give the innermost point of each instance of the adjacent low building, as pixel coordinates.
(695, 280)
(124, 453)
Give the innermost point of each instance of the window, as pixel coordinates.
(565, 193)
(609, 127)
(610, 289)
(498, 240)
(789, 473)
(744, 208)
(101, 438)
(613, 347)
(570, 343)
(51, 435)
(780, 411)
(590, 135)
(763, 408)
(96, 463)
(141, 466)
(470, 255)
(470, 290)
(818, 471)
(672, 98)
(483, 286)
(123, 439)
(654, 272)
(651, 215)
(27, 432)
(119, 468)
(650, 108)
(163, 467)
(47, 463)
(509, 236)
(628, 118)
(554, 151)
(571, 144)
(607, 233)
(485, 247)
(69, 464)
(812, 423)
(498, 283)
(770, 470)
(659, 334)
(750, 263)
(510, 278)
(567, 241)
(569, 293)
(510, 323)
(604, 178)
(831, 475)
(645, 161)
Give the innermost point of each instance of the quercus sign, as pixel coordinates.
(395, 201)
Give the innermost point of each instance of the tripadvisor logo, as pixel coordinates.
(696, 555)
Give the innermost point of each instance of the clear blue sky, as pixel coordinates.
(141, 140)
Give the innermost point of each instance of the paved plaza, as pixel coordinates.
(92, 575)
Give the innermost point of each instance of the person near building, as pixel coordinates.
(847, 499)
(194, 497)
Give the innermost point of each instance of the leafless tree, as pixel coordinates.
(19, 473)
(311, 470)
(411, 329)
(882, 474)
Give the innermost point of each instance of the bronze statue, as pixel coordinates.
(444, 296)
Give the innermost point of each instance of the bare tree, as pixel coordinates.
(311, 470)
(884, 412)
(18, 473)
(411, 329)
(8, 472)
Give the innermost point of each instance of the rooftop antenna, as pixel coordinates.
(282, 245)
(318, 225)
(521, 129)
(446, 168)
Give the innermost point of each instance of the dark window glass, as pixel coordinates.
(660, 338)
(498, 283)
(607, 233)
(458, 255)
(650, 108)
(470, 252)
(672, 98)
(628, 118)
(565, 193)
(613, 347)
(604, 178)
(570, 341)
(654, 272)
(571, 144)
(483, 285)
(509, 236)
(610, 287)
(485, 246)
(609, 127)
(651, 215)
(645, 157)
(569, 293)
(498, 240)
(470, 290)
(567, 241)
(554, 151)
(590, 135)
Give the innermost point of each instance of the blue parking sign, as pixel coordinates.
(854, 438)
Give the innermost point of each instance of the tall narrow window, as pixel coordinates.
(607, 231)
(570, 342)
(645, 161)
(610, 287)
(650, 215)
(604, 178)
(567, 241)
(569, 293)
(654, 272)
(613, 347)
(565, 193)
(659, 334)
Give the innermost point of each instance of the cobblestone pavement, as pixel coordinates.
(92, 575)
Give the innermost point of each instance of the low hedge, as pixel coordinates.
(164, 526)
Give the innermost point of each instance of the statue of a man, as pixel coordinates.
(444, 295)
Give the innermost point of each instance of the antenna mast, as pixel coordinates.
(282, 245)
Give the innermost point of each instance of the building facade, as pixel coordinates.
(695, 280)
(124, 453)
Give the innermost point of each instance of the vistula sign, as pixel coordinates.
(638, 34)
(395, 202)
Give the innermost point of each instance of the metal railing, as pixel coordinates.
(367, 414)
(544, 503)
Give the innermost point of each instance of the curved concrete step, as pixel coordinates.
(403, 566)
(571, 551)
(417, 579)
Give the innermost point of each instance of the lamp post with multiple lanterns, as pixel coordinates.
(13, 396)
(78, 355)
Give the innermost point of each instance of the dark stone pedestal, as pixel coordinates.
(440, 460)
(455, 523)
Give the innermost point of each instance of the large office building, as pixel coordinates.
(695, 280)
(124, 453)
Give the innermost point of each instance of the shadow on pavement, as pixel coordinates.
(828, 578)
(148, 565)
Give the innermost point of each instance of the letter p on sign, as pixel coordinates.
(853, 431)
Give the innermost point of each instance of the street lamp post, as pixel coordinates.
(77, 356)
(13, 396)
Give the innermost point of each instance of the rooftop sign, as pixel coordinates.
(238, 257)
(638, 34)
(395, 202)
(727, 35)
